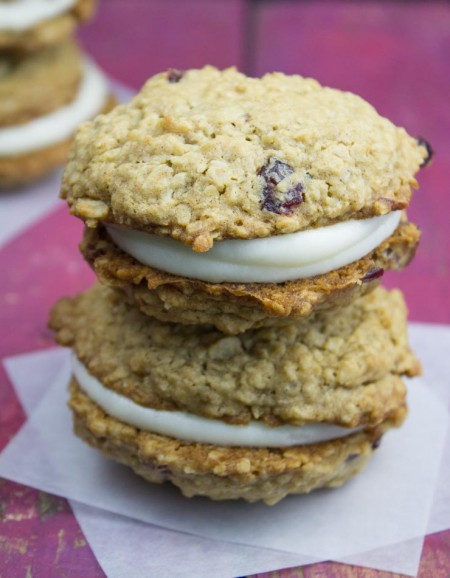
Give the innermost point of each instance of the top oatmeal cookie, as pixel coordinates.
(208, 155)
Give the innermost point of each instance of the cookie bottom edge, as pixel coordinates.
(226, 473)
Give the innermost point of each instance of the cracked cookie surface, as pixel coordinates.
(207, 155)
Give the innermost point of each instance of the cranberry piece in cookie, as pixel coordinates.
(375, 273)
(174, 75)
(276, 201)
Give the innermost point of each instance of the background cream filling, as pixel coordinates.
(23, 14)
(189, 427)
(56, 127)
(272, 259)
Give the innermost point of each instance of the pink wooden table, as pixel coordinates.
(395, 54)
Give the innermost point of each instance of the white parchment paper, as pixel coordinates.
(309, 525)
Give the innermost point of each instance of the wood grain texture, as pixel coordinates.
(394, 54)
(39, 537)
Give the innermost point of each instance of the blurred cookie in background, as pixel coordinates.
(29, 25)
(44, 96)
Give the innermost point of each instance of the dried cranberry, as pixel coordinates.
(162, 469)
(426, 145)
(352, 457)
(376, 444)
(373, 274)
(174, 75)
(273, 172)
(93, 252)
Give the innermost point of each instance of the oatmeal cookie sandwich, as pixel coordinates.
(217, 199)
(44, 96)
(258, 416)
(30, 25)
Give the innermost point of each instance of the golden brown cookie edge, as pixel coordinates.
(237, 307)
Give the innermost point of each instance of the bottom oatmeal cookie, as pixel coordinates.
(258, 416)
(226, 473)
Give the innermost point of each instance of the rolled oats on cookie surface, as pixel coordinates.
(218, 155)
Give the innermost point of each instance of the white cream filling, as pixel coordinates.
(189, 427)
(59, 125)
(267, 260)
(23, 14)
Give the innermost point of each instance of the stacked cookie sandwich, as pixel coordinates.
(238, 345)
(47, 86)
